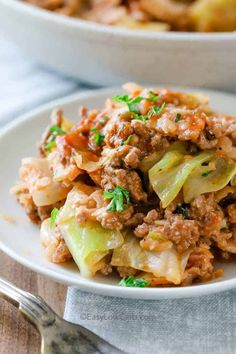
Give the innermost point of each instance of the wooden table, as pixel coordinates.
(17, 336)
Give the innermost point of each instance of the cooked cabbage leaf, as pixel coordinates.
(168, 176)
(150, 160)
(168, 264)
(36, 174)
(202, 180)
(89, 242)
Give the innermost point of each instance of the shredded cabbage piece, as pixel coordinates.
(35, 172)
(149, 161)
(89, 242)
(168, 176)
(203, 180)
(168, 264)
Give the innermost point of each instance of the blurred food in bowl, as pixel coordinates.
(155, 15)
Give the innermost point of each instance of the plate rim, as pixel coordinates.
(96, 287)
(88, 26)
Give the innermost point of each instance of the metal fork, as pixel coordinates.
(58, 336)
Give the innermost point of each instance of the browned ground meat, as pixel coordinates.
(143, 229)
(127, 156)
(200, 265)
(209, 214)
(184, 233)
(126, 271)
(126, 179)
(231, 209)
(113, 220)
(35, 214)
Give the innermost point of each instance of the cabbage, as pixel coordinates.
(150, 160)
(89, 242)
(36, 174)
(168, 176)
(203, 180)
(168, 264)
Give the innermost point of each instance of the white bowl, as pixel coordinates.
(21, 239)
(104, 55)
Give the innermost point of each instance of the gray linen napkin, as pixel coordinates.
(205, 325)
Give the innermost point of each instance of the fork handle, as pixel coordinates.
(30, 305)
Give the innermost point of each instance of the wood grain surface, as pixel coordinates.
(17, 336)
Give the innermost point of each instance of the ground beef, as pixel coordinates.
(126, 271)
(143, 229)
(114, 220)
(231, 209)
(128, 180)
(209, 214)
(135, 220)
(183, 233)
(56, 249)
(25, 200)
(151, 216)
(34, 213)
(124, 156)
(226, 240)
(44, 212)
(199, 266)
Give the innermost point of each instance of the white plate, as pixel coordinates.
(21, 240)
(106, 55)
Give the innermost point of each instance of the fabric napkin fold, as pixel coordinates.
(204, 325)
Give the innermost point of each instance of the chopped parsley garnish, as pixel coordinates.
(134, 283)
(131, 102)
(50, 145)
(183, 210)
(141, 118)
(206, 173)
(127, 141)
(158, 110)
(119, 199)
(152, 96)
(54, 214)
(56, 129)
(178, 117)
(98, 137)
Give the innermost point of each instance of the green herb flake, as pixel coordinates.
(98, 137)
(159, 109)
(134, 283)
(54, 214)
(206, 173)
(50, 145)
(56, 129)
(131, 102)
(141, 118)
(127, 141)
(152, 96)
(183, 210)
(178, 117)
(119, 199)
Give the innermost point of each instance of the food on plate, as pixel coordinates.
(144, 187)
(154, 15)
